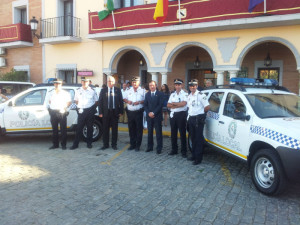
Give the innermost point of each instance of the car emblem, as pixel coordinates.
(23, 115)
(232, 129)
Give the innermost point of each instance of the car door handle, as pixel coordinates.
(221, 122)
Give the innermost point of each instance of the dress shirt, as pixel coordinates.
(86, 98)
(60, 100)
(196, 103)
(182, 96)
(135, 96)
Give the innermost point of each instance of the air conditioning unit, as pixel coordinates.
(2, 62)
(2, 51)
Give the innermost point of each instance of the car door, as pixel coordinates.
(72, 117)
(232, 135)
(212, 118)
(27, 112)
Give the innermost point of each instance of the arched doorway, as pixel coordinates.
(281, 64)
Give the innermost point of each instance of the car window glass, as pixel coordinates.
(234, 104)
(215, 101)
(35, 97)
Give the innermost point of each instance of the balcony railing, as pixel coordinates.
(15, 35)
(60, 27)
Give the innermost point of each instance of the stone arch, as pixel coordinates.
(173, 54)
(112, 68)
(282, 41)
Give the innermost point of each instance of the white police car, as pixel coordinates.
(28, 112)
(258, 122)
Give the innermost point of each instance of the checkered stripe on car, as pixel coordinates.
(213, 115)
(276, 136)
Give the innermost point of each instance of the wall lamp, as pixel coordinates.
(197, 62)
(33, 24)
(268, 60)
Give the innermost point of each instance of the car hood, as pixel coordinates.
(289, 126)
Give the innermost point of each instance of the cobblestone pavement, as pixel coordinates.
(88, 186)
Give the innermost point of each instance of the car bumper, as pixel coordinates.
(290, 159)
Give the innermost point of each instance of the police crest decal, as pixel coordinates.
(232, 129)
(23, 115)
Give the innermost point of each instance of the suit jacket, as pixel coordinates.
(154, 104)
(103, 101)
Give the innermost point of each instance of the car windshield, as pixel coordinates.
(275, 105)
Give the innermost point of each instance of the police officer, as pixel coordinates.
(59, 101)
(134, 97)
(198, 105)
(178, 106)
(85, 99)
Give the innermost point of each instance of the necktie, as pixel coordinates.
(152, 95)
(111, 100)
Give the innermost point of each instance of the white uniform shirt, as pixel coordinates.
(135, 96)
(60, 100)
(196, 103)
(86, 98)
(182, 96)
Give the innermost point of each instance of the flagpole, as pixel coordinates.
(179, 11)
(265, 6)
(113, 16)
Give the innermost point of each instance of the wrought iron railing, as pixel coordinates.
(60, 26)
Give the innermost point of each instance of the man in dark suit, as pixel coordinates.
(153, 106)
(110, 108)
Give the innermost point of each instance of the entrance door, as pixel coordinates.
(67, 76)
(68, 18)
(202, 75)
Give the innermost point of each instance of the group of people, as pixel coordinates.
(185, 109)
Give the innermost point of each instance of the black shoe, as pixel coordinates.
(158, 152)
(191, 158)
(196, 162)
(184, 155)
(114, 148)
(137, 149)
(149, 150)
(173, 153)
(63, 147)
(131, 147)
(89, 145)
(103, 148)
(53, 147)
(73, 147)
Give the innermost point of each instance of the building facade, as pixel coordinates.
(19, 49)
(203, 39)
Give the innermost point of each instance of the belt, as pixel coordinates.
(180, 112)
(138, 110)
(199, 115)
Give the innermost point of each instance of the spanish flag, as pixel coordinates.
(161, 11)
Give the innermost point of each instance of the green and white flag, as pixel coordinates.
(104, 13)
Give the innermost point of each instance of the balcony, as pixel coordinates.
(198, 16)
(15, 36)
(60, 30)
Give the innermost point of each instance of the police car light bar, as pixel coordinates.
(254, 81)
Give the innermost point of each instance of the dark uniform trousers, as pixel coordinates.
(155, 123)
(135, 126)
(110, 120)
(196, 133)
(58, 118)
(87, 118)
(178, 122)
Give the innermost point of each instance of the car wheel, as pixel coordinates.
(267, 172)
(97, 131)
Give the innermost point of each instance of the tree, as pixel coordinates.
(14, 75)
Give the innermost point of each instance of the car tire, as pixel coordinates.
(267, 172)
(97, 131)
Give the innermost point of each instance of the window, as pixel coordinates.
(36, 97)
(215, 101)
(268, 73)
(234, 105)
(20, 10)
(128, 3)
(23, 13)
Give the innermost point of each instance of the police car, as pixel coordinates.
(28, 112)
(258, 122)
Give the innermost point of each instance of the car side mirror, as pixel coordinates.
(241, 116)
(10, 103)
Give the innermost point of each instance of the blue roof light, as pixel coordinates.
(254, 81)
